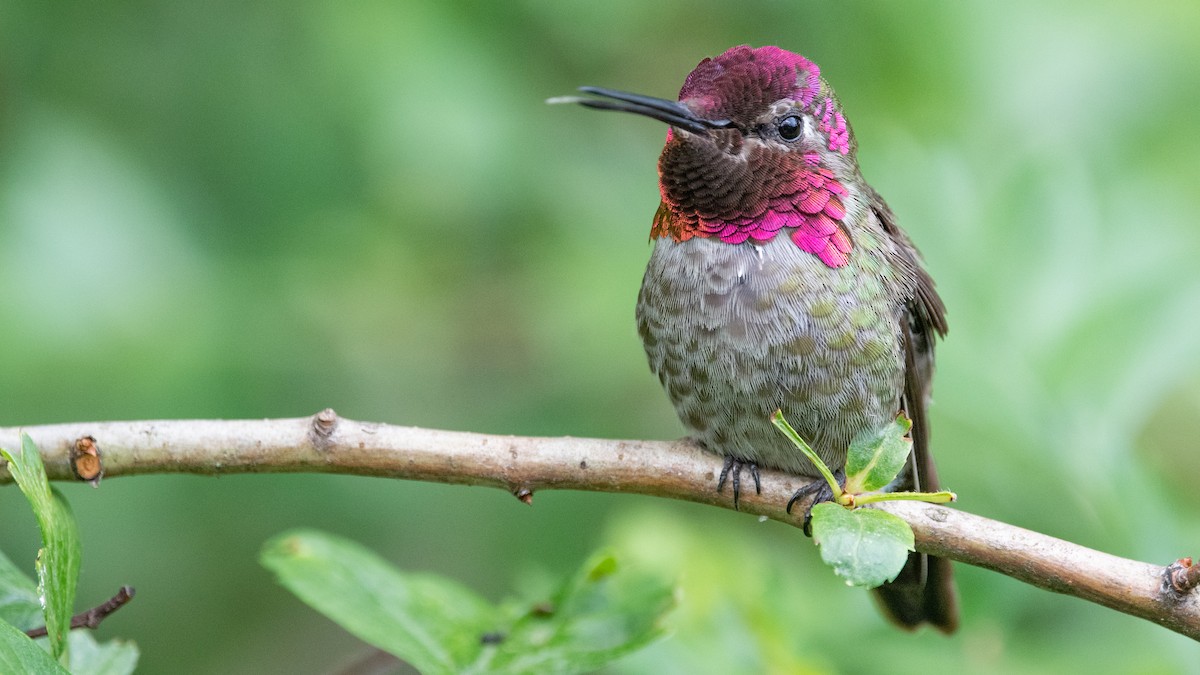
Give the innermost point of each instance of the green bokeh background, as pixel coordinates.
(245, 210)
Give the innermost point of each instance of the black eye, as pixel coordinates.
(790, 127)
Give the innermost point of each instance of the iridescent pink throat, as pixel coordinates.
(812, 209)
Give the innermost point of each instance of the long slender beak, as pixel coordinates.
(671, 112)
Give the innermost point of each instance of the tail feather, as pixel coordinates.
(924, 592)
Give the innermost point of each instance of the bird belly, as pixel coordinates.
(735, 332)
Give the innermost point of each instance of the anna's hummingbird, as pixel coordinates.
(780, 280)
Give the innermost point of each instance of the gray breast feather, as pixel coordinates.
(736, 331)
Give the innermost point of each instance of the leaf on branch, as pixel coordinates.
(439, 626)
(866, 547)
(875, 459)
(58, 559)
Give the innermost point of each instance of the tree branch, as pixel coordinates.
(93, 617)
(326, 443)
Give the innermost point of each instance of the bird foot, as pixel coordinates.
(736, 465)
(815, 493)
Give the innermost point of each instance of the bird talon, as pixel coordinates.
(819, 491)
(729, 461)
(735, 466)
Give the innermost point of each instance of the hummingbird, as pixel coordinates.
(780, 280)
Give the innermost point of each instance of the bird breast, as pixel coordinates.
(735, 332)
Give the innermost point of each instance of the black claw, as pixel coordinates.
(820, 492)
(737, 485)
(736, 465)
(729, 461)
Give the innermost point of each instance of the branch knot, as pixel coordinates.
(324, 424)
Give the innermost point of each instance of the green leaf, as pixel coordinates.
(19, 603)
(20, 654)
(89, 657)
(875, 459)
(20, 607)
(866, 547)
(430, 622)
(58, 559)
(603, 613)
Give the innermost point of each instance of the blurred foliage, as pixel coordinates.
(58, 558)
(21, 610)
(603, 612)
(262, 209)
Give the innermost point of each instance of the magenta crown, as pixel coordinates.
(742, 82)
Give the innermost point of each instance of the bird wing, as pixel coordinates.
(924, 591)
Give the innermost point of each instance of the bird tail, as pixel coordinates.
(923, 592)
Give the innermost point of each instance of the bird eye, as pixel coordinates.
(790, 128)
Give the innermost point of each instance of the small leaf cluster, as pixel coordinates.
(866, 547)
(601, 613)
